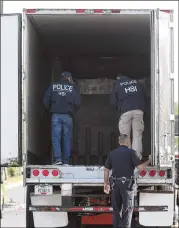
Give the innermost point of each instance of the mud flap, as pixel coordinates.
(50, 219)
(161, 218)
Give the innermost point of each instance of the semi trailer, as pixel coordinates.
(94, 45)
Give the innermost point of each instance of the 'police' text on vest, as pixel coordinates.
(131, 88)
(60, 87)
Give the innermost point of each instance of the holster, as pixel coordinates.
(131, 184)
(111, 183)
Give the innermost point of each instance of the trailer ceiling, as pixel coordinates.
(95, 34)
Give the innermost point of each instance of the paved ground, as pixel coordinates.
(16, 193)
(14, 211)
(12, 218)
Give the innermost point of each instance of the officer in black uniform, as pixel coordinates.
(122, 161)
(63, 99)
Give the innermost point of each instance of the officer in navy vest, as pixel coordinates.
(130, 100)
(62, 99)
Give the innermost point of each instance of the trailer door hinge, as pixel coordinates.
(23, 76)
(172, 117)
(23, 73)
(24, 157)
(171, 24)
(24, 116)
(157, 14)
(172, 75)
(23, 24)
(158, 71)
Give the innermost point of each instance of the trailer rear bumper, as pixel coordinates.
(94, 182)
(97, 209)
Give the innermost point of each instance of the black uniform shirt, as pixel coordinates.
(122, 161)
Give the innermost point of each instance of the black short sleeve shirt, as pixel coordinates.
(122, 161)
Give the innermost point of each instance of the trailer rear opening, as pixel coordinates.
(94, 48)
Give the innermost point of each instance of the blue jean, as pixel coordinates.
(62, 125)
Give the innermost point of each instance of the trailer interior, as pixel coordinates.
(94, 48)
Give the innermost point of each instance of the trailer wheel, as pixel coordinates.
(29, 214)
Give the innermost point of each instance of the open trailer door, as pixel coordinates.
(11, 89)
(162, 88)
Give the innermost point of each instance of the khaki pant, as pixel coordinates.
(133, 119)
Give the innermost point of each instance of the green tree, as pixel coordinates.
(176, 142)
(176, 109)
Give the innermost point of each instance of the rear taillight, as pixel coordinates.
(30, 10)
(142, 173)
(80, 10)
(161, 173)
(116, 10)
(55, 172)
(45, 173)
(98, 10)
(152, 173)
(36, 172)
(165, 11)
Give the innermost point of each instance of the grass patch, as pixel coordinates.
(12, 180)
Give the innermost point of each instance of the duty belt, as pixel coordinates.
(123, 179)
(131, 181)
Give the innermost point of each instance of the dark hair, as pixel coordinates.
(123, 138)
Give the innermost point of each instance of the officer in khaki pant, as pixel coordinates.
(130, 100)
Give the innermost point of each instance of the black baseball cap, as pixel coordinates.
(66, 74)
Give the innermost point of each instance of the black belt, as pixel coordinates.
(121, 179)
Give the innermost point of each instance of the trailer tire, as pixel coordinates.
(29, 214)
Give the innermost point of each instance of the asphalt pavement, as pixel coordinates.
(14, 210)
(13, 218)
(15, 193)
